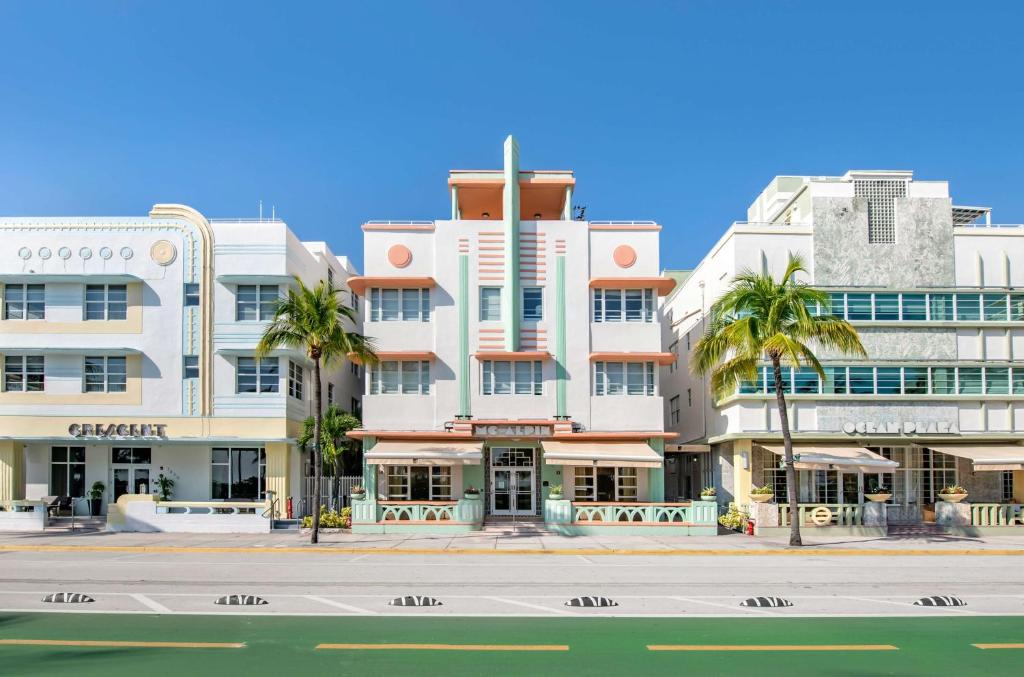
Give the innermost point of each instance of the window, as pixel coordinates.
(968, 307)
(189, 366)
(689, 397)
(419, 483)
(24, 373)
(67, 471)
(617, 305)
(490, 304)
(24, 302)
(673, 410)
(858, 306)
(330, 276)
(391, 377)
(997, 380)
(943, 380)
(835, 381)
(862, 380)
(915, 380)
(994, 306)
(238, 474)
(294, 380)
(395, 305)
(1018, 381)
(533, 304)
(969, 382)
(837, 304)
(674, 349)
(1007, 486)
(105, 375)
(605, 484)
(940, 307)
(1017, 307)
(888, 381)
(512, 378)
(257, 375)
(191, 294)
(887, 306)
(881, 195)
(623, 378)
(805, 381)
(256, 302)
(330, 394)
(106, 301)
(914, 308)
(355, 407)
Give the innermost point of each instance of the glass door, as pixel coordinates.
(512, 481)
(131, 469)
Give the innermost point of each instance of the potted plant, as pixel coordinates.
(734, 519)
(954, 493)
(708, 494)
(166, 486)
(761, 494)
(358, 493)
(96, 498)
(556, 493)
(878, 493)
(471, 492)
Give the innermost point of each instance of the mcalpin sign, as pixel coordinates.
(900, 428)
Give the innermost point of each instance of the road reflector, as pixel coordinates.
(591, 601)
(68, 598)
(414, 600)
(940, 600)
(766, 602)
(240, 600)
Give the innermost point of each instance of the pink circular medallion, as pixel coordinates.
(399, 256)
(624, 256)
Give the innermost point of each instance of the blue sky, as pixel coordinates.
(337, 113)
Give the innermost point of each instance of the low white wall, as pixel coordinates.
(144, 513)
(23, 520)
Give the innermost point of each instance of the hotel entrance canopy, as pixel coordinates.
(601, 454)
(427, 452)
(850, 459)
(986, 456)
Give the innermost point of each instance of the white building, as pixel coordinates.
(934, 291)
(127, 349)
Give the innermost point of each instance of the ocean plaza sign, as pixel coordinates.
(901, 428)
(117, 430)
(511, 430)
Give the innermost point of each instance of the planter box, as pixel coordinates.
(952, 498)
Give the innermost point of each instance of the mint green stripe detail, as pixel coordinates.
(560, 346)
(464, 335)
(657, 475)
(510, 208)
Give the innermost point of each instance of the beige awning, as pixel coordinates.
(426, 452)
(809, 457)
(986, 456)
(601, 454)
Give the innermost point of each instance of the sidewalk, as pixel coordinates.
(508, 542)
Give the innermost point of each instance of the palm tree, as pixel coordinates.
(761, 320)
(336, 423)
(314, 320)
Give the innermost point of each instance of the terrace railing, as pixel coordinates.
(586, 512)
(996, 514)
(825, 514)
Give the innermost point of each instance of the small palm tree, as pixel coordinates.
(333, 442)
(761, 320)
(314, 320)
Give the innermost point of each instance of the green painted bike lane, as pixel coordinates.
(597, 646)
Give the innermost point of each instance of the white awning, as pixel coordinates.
(809, 457)
(986, 456)
(601, 454)
(426, 452)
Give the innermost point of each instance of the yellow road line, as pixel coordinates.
(115, 644)
(679, 552)
(1000, 646)
(446, 647)
(771, 647)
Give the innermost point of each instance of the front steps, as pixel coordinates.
(521, 526)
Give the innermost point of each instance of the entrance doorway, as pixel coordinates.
(683, 476)
(512, 481)
(131, 470)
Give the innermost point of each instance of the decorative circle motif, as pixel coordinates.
(85, 253)
(25, 253)
(106, 253)
(624, 256)
(163, 252)
(64, 253)
(127, 253)
(820, 516)
(399, 256)
(45, 253)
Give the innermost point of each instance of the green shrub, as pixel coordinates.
(330, 519)
(734, 518)
(761, 491)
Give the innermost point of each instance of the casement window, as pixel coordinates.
(419, 483)
(256, 302)
(254, 375)
(623, 378)
(191, 294)
(502, 377)
(105, 374)
(673, 410)
(533, 304)
(67, 471)
(891, 380)
(623, 305)
(605, 484)
(106, 301)
(238, 473)
(189, 366)
(295, 374)
(490, 304)
(24, 373)
(392, 377)
(24, 302)
(924, 307)
(399, 305)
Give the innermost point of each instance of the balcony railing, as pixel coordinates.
(996, 514)
(646, 513)
(825, 514)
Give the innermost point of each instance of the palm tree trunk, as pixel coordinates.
(317, 454)
(787, 444)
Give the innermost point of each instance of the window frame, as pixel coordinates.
(486, 305)
(296, 378)
(491, 385)
(614, 378)
(30, 304)
(109, 381)
(265, 370)
(418, 377)
(262, 303)
(28, 378)
(538, 316)
(261, 472)
(110, 309)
